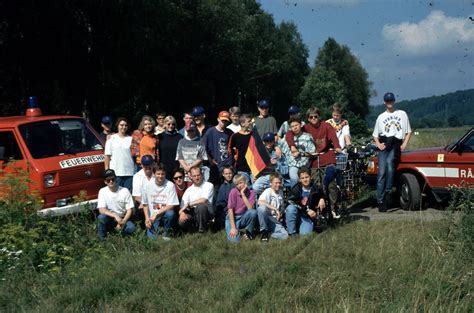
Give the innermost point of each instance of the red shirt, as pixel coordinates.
(180, 192)
(324, 138)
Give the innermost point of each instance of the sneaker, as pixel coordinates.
(248, 235)
(265, 236)
(166, 238)
(335, 215)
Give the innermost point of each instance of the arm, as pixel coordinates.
(107, 212)
(107, 162)
(233, 228)
(405, 141)
(379, 144)
(331, 132)
(135, 146)
(249, 201)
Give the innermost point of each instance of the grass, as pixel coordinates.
(435, 137)
(376, 266)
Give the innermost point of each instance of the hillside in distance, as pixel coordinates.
(449, 110)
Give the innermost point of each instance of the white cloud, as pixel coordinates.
(436, 33)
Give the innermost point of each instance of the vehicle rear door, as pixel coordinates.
(459, 161)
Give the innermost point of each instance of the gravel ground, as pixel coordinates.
(397, 214)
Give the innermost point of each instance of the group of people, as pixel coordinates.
(201, 176)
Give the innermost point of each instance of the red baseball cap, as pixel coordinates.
(224, 115)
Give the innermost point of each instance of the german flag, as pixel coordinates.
(257, 156)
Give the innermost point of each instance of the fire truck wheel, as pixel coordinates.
(410, 195)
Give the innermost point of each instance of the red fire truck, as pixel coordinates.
(431, 171)
(62, 156)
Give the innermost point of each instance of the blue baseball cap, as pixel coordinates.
(293, 109)
(147, 160)
(388, 97)
(198, 110)
(268, 137)
(263, 104)
(106, 120)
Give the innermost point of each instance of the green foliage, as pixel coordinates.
(450, 110)
(337, 76)
(462, 200)
(135, 57)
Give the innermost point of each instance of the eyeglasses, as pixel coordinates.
(160, 118)
(108, 180)
(313, 116)
(177, 177)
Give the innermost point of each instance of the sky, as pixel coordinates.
(412, 48)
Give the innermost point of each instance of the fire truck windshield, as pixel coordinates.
(58, 137)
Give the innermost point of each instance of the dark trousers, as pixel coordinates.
(198, 219)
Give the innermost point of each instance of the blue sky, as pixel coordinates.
(412, 48)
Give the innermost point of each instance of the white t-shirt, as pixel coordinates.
(139, 181)
(394, 124)
(120, 155)
(344, 131)
(118, 202)
(272, 198)
(206, 191)
(157, 197)
(234, 127)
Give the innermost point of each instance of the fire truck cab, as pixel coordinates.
(62, 156)
(431, 171)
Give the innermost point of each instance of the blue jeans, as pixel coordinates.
(294, 217)
(385, 174)
(270, 224)
(246, 220)
(293, 171)
(107, 223)
(262, 183)
(125, 181)
(166, 220)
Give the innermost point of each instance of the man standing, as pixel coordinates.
(196, 203)
(190, 151)
(264, 122)
(199, 115)
(216, 143)
(115, 207)
(106, 124)
(238, 145)
(160, 122)
(391, 134)
(159, 201)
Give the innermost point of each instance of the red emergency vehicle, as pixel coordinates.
(61, 154)
(431, 171)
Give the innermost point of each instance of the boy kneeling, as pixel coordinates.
(240, 211)
(305, 198)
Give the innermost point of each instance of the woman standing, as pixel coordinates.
(144, 141)
(117, 154)
(168, 145)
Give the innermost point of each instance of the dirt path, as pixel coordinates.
(397, 214)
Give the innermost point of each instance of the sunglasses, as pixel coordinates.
(313, 116)
(108, 180)
(177, 177)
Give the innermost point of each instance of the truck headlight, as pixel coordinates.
(48, 180)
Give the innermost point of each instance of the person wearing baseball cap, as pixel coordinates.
(392, 132)
(139, 180)
(106, 124)
(293, 112)
(199, 115)
(115, 207)
(264, 122)
(216, 142)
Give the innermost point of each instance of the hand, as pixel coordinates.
(294, 152)
(183, 217)
(148, 223)
(278, 215)
(233, 232)
(186, 168)
(322, 203)
(244, 188)
(338, 150)
(403, 147)
(118, 219)
(311, 214)
(381, 146)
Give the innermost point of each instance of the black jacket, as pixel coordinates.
(295, 196)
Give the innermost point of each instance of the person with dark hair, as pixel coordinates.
(144, 141)
(305, 198)
(115, 207)
(187, 119)
(325, 139)
(293, 111)
(196, 203)
(223, 195)
(199, 115)
(238, 145)
(179, 182)
(159, 200)
(392, 132)
(160, 122)
(190, 151)
(118, 156)
(168, 145)
(106, 124)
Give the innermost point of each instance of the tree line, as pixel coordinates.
(134, 57)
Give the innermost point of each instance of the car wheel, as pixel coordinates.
(409, 190)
